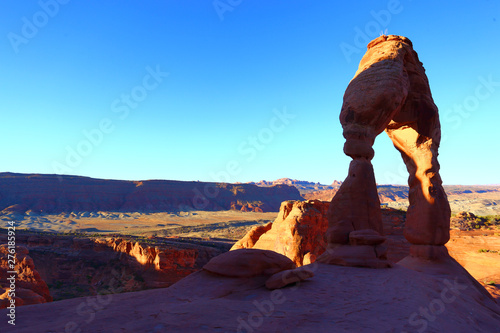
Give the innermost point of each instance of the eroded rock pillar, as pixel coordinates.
(428, 215)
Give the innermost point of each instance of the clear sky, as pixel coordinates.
(232, 90)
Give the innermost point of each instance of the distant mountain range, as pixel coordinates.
(301, 185)
(387, 193)
(54, 194)
(310, 190)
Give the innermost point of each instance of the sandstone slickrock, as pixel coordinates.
(336, 299)
(390, 92)
(244, 263)
(298, 232)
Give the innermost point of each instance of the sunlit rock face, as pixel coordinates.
(298, 232)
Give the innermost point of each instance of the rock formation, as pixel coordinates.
(298, 232)
(271, 269)
(390, 92)
(29, 286)
(244, 263)
(249, 240)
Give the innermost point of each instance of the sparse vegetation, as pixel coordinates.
(488, 251)
(469, 221)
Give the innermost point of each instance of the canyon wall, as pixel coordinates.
(75, 266)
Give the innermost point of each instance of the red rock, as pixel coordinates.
(339, 233)
(356, 256)
(249, 240)
(248, 263)
(366, 237)
(30, 288)
(285, 278)
(390, 92)
(23, 297)
(356, 205)
(309, 258)
(298, 231)
(143, 255)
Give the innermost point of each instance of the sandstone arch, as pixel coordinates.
(389, 92)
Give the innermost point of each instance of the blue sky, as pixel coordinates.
(232, 90)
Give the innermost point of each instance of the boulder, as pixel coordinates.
(243, 263)
(290, 276)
